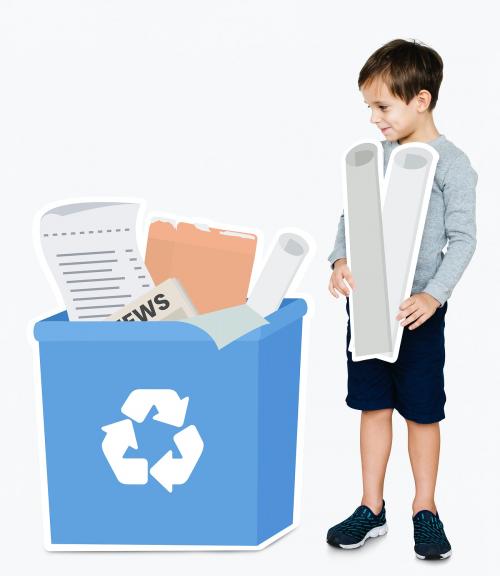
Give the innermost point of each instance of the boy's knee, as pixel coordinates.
(382, 413)
(415, 424)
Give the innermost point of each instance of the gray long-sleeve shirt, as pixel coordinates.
(451, 217)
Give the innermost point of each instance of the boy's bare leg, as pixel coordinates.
(423, 448)
(375, 444)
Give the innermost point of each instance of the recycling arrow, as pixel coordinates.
(171, 409)
(169, 470)
(119, 437)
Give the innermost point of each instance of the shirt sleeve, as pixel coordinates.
(459, 192)
(339, 249)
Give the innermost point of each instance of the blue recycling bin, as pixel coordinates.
(154, 438)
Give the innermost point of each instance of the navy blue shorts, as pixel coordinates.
(413, 385)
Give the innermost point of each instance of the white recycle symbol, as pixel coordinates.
(120, 436)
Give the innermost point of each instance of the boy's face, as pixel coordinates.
(396, 119)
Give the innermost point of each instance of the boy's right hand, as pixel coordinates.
(340, 272)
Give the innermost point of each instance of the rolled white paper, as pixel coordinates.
(278, 272)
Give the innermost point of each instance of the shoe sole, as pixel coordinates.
(373, 533)
(434, 556)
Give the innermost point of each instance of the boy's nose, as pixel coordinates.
(374, 118)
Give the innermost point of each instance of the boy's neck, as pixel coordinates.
(426, 132)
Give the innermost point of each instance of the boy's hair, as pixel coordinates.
(406, 67)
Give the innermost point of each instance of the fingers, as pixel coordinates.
(419, 321)
(412, 317)
(408, 302)
(414, 311)
(338, 280)
(349, 278)
(340, 285)
(332, 289)
(347, 287)
(407, 311)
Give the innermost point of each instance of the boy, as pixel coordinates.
(400, 83)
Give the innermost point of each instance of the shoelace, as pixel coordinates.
(428, 530)
(358, 523)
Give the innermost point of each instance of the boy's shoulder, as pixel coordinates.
(446, 147)
(449, 155)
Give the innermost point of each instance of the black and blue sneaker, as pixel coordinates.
(430, 540)
(355, 530)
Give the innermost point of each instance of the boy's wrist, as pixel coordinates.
(437, 290)
(434, 300)
(337, 260)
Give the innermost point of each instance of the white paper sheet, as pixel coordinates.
(91, 250)
(227, 325)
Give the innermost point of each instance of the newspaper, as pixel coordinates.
(166, 301)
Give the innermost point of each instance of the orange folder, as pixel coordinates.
(213, 265)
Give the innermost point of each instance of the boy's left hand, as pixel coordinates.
(417, 309)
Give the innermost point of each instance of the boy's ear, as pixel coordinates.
(424, 98)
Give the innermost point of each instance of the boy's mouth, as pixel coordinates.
(384, 130)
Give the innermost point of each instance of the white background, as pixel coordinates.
(239, 112)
